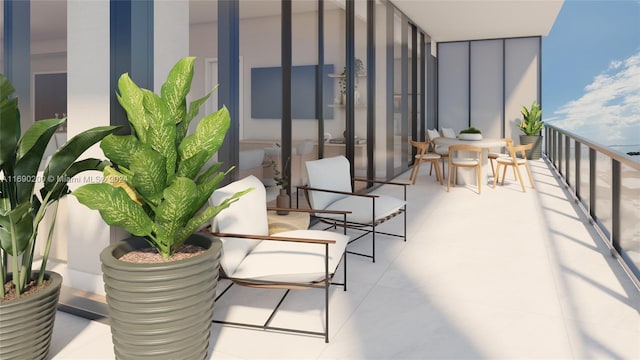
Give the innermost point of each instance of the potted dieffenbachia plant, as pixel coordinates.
(532, 125)
(157, 188)
(29, 293)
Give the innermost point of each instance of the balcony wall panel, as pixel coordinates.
(486, 87)
(522, 80)
(453, 85)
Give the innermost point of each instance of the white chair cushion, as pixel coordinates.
(248, 215)
(508, 160)
(428, 156)
(330, 173)
(448, 133)
(290, 261)
(497, 155)
(432, 134)
(462, 161)
(360, 208)
(442, 150)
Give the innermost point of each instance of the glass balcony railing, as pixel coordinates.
(606, 184)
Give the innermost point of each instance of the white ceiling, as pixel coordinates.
(454, 20)
(443, 20)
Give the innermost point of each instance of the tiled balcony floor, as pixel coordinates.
(504, 274)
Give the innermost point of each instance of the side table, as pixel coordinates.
(292, 221)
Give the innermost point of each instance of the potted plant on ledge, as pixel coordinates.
(29, 297)
(160, 283)
(532, 125)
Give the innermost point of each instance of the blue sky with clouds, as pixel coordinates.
(591, 71)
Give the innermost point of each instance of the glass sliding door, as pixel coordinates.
(383, 87)
(261, 90)
(361, 94)
(311, 92)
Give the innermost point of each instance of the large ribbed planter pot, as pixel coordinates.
(536, 152)
(26, 324)
(164, 310)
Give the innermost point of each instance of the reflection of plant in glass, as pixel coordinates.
(280, 179)
(359, 68)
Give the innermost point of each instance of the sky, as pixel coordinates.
(591, 71)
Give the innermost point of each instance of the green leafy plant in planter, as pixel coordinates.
(156, 184)
(470, 130)
(157, 188)
(22, 207)
(531, 125)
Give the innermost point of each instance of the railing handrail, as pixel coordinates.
(620, 157)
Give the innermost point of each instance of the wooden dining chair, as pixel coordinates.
(424, 155)
(515, 161)
(494, 155)
(443, 151)
(458, 159)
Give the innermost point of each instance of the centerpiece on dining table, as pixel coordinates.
(470, 134)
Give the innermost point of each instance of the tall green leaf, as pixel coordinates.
(162, 132)
(208, 136)
(62, 159)
(115, 207)
(190, 167)
(149, 176)
(194, 109)
(175, 89)
(177, 207)
(119, 148)
(60, 188)
(30, 150)
(131, 98)
(16, 226)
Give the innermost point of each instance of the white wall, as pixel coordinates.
(521, 81)
(486, 87)
(453, 75)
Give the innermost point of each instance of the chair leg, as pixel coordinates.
(455, 174)
(411, 176)
(493, 171)
(449, 179)
(519, 176)
(504, 175)
(438, 173)
(479, 171)
(495, 177)
(415, 176)
(530, 177)
(431, 168)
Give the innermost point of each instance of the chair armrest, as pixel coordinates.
(337, 192)
(310, 211)
(381, 182)
(274, 238)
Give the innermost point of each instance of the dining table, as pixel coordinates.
(467, 176)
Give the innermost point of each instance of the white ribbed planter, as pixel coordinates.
(26, 324)
(161, 311)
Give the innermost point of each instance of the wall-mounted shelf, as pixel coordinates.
(343, 105)
(343, 75)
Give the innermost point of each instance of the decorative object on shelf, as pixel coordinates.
(470, 134)
(157, 189)
(282, 199)
(28, 297)
(531, 126)
(342, 83)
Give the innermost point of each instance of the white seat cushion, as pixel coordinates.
(360, 208)
(284, 261)
(496, 155)
(508, 160)
(428, 156)
(248, 215)
(464, 162)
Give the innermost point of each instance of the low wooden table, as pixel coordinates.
(292, 221)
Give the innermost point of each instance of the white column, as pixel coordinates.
(88, 97)
(171, 43)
